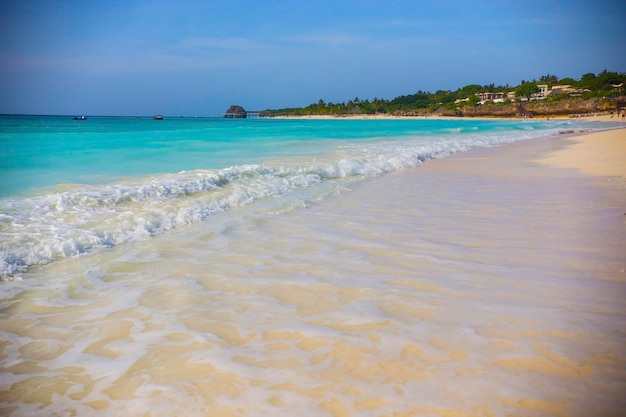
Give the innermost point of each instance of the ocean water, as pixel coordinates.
(69, 188)
(210, 267)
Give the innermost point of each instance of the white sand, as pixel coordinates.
(598, 154)
(486, 284)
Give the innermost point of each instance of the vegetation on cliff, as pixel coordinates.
(592, 92)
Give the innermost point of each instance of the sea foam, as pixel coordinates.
(39, 229)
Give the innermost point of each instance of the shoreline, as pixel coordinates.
(595, 154)
(598, 118)
(542, 302)
(598, 154)
(491, 282)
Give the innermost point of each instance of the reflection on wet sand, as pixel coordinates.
(485, 289)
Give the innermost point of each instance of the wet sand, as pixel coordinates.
(491, 283)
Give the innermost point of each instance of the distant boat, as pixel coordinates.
(80, 118)
(158, 117)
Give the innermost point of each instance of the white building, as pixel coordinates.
(543, 91)
(487, 96)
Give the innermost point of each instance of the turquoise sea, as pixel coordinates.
(70, 187)
(243, 268)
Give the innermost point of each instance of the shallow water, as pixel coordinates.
(423, 292)
(462, 297)
(71, 187)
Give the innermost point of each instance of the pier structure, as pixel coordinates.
(253, 114)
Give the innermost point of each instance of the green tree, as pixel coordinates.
(468, 91)
(526, 89)
(588, 80)
(419, 100)
(548, 79)
(604, 81)
(609, 78)
(321, 107)
(568, 81)
(379, 105)
(444, 97)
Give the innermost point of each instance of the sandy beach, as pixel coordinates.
(374, 117)
(545, 223)
(490, 283)
(313, 209)
(599, 155)
(536, 326)
(599, 117)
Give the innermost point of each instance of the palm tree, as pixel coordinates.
(548, 79)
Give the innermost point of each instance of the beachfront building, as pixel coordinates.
(561, 89)
(566, 90)
(488, 96)
(238, 112)
(542, 93)
(235, 112)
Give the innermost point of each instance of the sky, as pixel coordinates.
(196, 58)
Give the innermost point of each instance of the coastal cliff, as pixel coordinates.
(564, 107)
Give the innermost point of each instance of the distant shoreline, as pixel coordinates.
(601, 117)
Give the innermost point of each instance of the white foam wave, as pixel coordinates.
(41, 229)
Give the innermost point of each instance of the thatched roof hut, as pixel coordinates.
(235, 112)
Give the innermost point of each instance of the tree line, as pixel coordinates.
(590, 85)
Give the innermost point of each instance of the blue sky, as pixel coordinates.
(193, 58)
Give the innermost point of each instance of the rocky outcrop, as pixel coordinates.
(569, 106)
